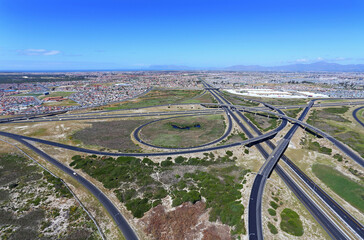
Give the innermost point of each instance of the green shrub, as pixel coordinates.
(221, 195)
(272, 212)
(160, 193)
(36, 201)
(179, 159)
(229, 153)
(57, 184)
(273, 205)
(125, 195)
(73, 209)
(272, 228)
(338, 157)
(239, 228)
(291, 223)
(166, 163)
(148, 162)
(242, 136)
(184, 196)
(315, 146)
(138, 206)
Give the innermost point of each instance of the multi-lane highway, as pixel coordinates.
(255, 212)
(329, 225)
(252, 203)
(104, 114)
(232, 112)
(127, 231)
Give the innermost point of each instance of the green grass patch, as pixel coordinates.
(67, 102)
(28, 94)
(340, 110)
(39, 132)
(156, 97)
(206, 98)
(291, 222)
(57, 94)
(346, 188)
(263, 122)
(238, 100)
(292, 113)
(280, 101)
(360, 114)
(162, 133)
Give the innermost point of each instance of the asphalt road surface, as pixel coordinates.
(356, 117)
(332, 230)
(123, 225)
(257, 190)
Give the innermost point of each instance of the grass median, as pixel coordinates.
(351, 191)
(185, 131)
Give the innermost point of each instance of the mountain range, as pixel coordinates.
(311, 67)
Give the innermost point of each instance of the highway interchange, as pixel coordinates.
(337, 222)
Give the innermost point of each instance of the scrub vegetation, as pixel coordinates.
(331, 121)
(233, 138)
(36, 205)
(315, 146)
(142, 184)
(110, 134)
(264, 123)
(272, 228)
(291, 222)
(275, 205)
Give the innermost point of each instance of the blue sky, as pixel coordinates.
(132, 34)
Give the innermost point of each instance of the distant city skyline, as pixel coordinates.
(110, 34)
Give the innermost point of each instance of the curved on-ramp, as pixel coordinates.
(355, 115)
(122, 224)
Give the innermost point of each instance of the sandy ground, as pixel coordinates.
(59, 131)
(276, 186)
(94, 207)
(304, 159)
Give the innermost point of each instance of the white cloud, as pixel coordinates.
(38, 52)
(341, 59)
(302, 60)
